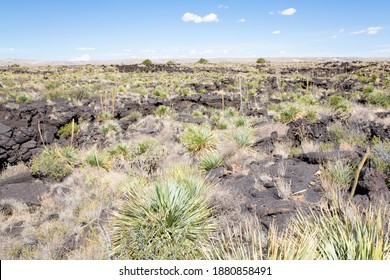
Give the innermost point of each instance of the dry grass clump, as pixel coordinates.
(352, 234)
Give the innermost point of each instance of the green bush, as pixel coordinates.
(198, 139)
(98, 159)
(243, 137)
(203, 61)
(133, 116)
(260, 60)
(340, 172)
(380, 155)
(55, 163)
(379, 98)
(288, 112)
(163, 110)
(110, 125)
(66, 130)
(339, 103)
(169, 219)
(147, 62)
(160, 92)
(210, 161)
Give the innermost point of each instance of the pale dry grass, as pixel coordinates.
(282, 148)
(265, 130)
(80, 199)
(284, 187)
(309, 146)
(13, 170)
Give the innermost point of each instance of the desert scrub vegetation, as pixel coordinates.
(379, 98)
(68, 129)
(243, 137)
(55, 162)
(163, 110)
(166, 219)
(210, 161)
(345, 134)
(380, 154)
(339, 103)
(350, 234)
(147, 62)
(203, 61)
(198, 139)
(99, 159)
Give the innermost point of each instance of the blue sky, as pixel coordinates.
(115, 29)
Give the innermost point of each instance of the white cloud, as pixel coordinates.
(374, 30)
(334, 36)
(84, 57)
(7, 50)
(126, 50)
(211, 18)
(341, 30)
(187, 17)
(370, 31)
(241, 20)
(224, 7)
(85, 49)
(276, 32)
(288, 12)
(282, 52)
(271, 13)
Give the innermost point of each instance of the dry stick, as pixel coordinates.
(358, 172)
(223, 101)
(113, 102)
(241, 109)
(40, 134)
(71, 138)
(101, 102)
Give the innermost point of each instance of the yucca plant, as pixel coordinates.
(210, 161)
(339, 103)
(55, 162)
(289, 112)
(110, 125)
(163, 110)
(350, 234)
(198, 139)
(241, 121)
(243, 137)
(98, 159)
(340, 172)
(122, 150)
(169, 219)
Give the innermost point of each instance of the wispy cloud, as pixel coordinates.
(288, 12)
(276, 32)
(338, 32)
(241, 20)
(85, 49)
(7, 50)
(222, 6)
(84, 57)
(271, 13)
(188, 17)
(369, 31)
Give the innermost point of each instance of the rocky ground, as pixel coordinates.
(293, 153)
